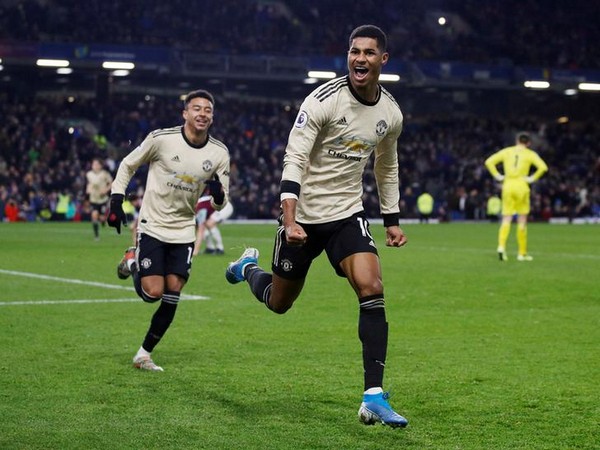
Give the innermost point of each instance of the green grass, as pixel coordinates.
(482, 354)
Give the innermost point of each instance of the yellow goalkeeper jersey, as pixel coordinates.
(516, 163)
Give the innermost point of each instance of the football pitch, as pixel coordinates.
(482, 354)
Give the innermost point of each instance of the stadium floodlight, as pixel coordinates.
(64, 70)
(389, 77)
(115, 65)
(589, 86)
(52, 63)
(311, 80)
(120, 73)
(321, 74)
(536, 84)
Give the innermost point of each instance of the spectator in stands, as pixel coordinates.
(493, 207)
(425, 204)
(11, 211)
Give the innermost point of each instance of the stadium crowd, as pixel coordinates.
(46, 147)
(520, 32)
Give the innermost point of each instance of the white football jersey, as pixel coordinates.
(329, 146)
(177, 174)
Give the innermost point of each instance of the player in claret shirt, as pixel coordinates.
(207, 226)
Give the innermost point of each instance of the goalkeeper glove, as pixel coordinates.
(530, 179)
(116, 216)
(500, 178)
(215, 189)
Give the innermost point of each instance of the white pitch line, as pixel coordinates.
(65, 280)
(98, 300)
(85, 283)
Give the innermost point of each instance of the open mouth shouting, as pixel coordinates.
(360, 73)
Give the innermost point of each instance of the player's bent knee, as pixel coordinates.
(150, 294)
(149, 298)
(280, 306)
(280, 309)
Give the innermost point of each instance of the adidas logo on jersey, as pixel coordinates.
(175, 158)
(342, 122)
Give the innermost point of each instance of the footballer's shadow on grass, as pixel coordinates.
(259, 406)
(262, 407)
(324, 411)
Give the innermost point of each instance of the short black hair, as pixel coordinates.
(370, 31)
(198, 93)
(523, 137)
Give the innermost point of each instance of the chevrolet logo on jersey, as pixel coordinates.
(353, 148)
(189, 179)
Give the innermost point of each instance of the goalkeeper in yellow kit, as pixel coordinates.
(516, 162)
